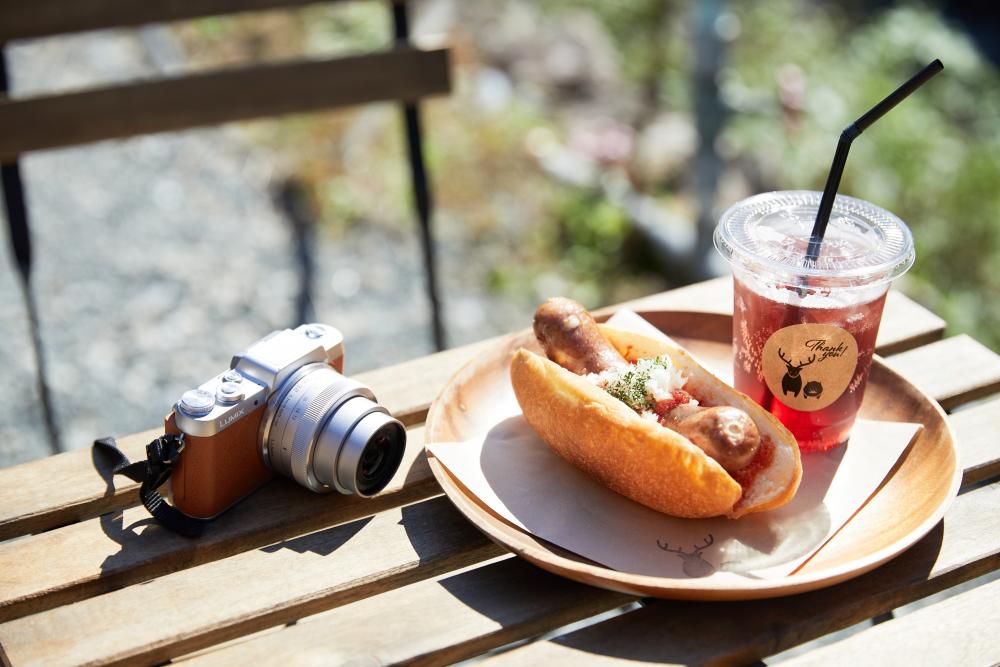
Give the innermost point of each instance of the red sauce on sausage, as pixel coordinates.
(761, 461)
(746, 475)
(677, 397)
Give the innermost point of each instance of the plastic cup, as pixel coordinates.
(804, 331)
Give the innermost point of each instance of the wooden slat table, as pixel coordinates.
(291, 577)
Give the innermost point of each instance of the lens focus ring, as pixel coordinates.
(298, 414)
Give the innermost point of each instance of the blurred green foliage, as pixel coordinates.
(934, 160)
(594, 232)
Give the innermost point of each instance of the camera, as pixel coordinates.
(283, 406)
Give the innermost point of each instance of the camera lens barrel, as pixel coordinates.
(327, 432)
(348, 435)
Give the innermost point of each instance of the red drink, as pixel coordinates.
(804, 329)
(756, 319)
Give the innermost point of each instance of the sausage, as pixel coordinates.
(725, 433)
(571, 338)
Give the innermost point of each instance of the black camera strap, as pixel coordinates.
(161, 457)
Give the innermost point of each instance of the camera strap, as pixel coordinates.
(161, 457)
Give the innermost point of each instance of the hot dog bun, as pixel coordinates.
(641, 459)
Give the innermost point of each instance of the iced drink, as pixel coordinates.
(804, 331)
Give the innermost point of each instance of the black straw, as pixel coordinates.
(844, 145)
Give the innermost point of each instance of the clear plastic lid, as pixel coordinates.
(769, 233)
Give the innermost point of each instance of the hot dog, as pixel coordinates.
(571, 338)
(648, 421)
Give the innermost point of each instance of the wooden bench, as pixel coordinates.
(292, 576)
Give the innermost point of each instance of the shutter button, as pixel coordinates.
(229, 393)
(232, 376)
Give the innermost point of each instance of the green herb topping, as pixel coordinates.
(631, 387)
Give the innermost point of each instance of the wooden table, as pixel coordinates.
(290, 577)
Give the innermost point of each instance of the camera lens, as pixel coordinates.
(328, 433)
(380, 459)
(370, 448)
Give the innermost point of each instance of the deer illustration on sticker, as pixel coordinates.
(809, 366)
(792, 382)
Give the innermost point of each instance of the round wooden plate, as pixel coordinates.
(910, 502)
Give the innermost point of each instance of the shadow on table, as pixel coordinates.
(323, 542)
(144, 540)
(112, 523)
(441, 538)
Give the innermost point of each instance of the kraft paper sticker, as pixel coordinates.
(809, 366)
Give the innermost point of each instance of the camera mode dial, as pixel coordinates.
(196, 402)
(314, 331)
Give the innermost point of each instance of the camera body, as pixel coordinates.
(283, 406)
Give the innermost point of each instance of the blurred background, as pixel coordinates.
(583, 145)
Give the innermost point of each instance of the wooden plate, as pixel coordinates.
(904, 509)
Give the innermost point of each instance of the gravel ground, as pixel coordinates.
(157, 258)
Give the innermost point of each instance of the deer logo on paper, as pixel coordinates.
(694, 565)
(808, 366)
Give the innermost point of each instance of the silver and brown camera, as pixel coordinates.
(282, 406)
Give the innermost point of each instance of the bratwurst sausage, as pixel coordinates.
(572, 339)
(725, 433)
